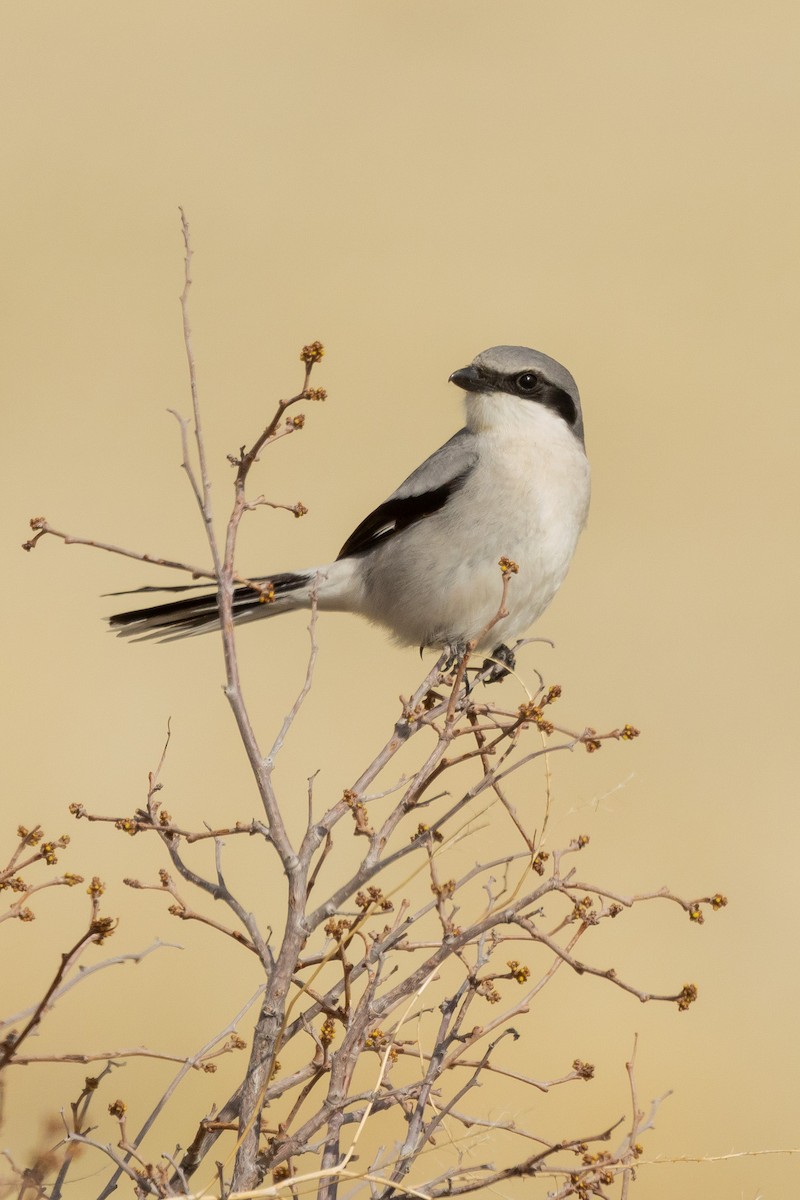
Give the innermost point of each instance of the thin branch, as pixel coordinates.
(202, 492)
(42, 527)
(289, 719)
(105, 1056)
(186, 1067)
(9, 1047)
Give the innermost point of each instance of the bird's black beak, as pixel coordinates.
(468, 379)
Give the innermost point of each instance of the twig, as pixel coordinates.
(42, 527)
(289, 719)
(105, 1056)
(10, 1046)
(187, 1066)
(202, 492)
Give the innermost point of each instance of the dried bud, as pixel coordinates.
(518, 972)
(508, 566)
(584, 912)
(539, 861)
(362, 825)
(102, 928)
(532, 712)
(312, 353)
(337, 927)
(424, 831)
(373, 897)
(127, 825)
(15, 882)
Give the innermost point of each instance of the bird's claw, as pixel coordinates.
(493, 670)
(499, 665)
(451, 657)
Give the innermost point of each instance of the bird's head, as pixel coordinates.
(526, 376)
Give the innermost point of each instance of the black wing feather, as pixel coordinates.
(398, 513)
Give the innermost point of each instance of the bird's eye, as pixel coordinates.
(527, 382)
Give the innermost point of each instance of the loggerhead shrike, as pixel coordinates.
(514, 482)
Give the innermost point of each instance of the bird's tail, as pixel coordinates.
(199, 614)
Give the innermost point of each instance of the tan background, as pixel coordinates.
(615, 183)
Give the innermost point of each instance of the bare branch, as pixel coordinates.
(84, 973)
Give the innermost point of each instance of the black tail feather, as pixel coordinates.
(154, 587)
(178, 618)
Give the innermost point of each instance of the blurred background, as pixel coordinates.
(615, 184)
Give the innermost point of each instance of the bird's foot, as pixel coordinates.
(502, 661)
(451, 656)
(498, 666)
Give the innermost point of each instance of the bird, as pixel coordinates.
(514, 483)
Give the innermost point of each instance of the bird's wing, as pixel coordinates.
(424, 492)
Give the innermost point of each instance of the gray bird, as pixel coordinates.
(513, 482)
